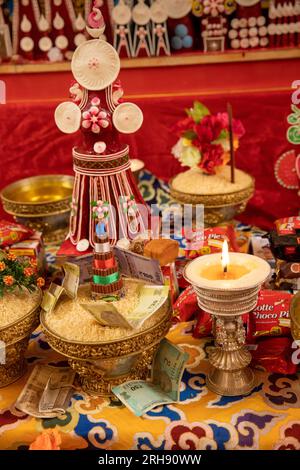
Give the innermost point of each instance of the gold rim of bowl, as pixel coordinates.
(214, 200)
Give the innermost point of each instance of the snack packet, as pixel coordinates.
(285, 240)
(203, 327)
(270, 317)
(11, 233)
(186, 306)
(274, 355)
(210, 240)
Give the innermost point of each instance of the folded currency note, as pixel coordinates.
(138, 266)
(69, 287)
(47, 392)
(107, 314)
(71, 279)
(150, 299)
(168, 367)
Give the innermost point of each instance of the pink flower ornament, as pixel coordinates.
(213, 7)
(95, 117)
(95, 18)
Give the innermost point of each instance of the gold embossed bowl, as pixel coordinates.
(103, 365)
(42, 203)
(295, 317)
(218, 208)
(14, 340)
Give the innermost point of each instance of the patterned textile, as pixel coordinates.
(268, 418)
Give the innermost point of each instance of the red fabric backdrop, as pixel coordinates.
(30, 144)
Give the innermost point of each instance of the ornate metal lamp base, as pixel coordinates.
(229, 359)
(227, 302)
(231, 383)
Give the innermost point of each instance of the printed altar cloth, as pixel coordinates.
(268, 418)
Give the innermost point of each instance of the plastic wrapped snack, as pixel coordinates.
(11, 233)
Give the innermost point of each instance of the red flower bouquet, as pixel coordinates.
(204, 139)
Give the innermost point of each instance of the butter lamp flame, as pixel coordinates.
(225, 256)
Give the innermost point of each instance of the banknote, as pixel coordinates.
(51, 296)
(141, 396)
(107, 314)
(69, 287)
(139, 267)
(47, 392)
(150, 299)
(71, 279)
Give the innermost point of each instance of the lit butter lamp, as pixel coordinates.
(227, 286)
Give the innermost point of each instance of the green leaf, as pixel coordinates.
(190, 135)
(198, 112)
(94, 203)
(295, 109)
(223, 134)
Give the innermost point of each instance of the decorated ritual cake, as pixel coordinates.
(207, 144)
(101, 160)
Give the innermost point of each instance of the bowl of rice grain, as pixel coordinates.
(222, 200)
(19, 317)
(105, 356)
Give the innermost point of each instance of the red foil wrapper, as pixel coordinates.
(271, 315)
(203, 325)
(11, 233)
(274, 355)
(211, 242)
(186, 306)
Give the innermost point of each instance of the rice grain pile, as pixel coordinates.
(14, 306)
(72, 322)
(195, 182)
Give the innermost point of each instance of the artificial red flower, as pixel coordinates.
(50, 439)
(208, 129)
(28, 271)
(212, 156)
(40, 282)
(237, 127)
(2, 266)
(8, 280)
(11, 257)
(33, 262)
(183, 126)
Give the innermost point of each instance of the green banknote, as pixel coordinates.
(141, 396)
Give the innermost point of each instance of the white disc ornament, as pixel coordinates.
(61, 42)
(26, 44)
(178, 8)
(67, 117)
(45, 44)
(158, 12)
(79, 39)
(127, 118)
(121, 14)
(83, 245)
(99, 147)
(141, 14)
(95, 64)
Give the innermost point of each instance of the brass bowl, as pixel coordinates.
(218, 208)
(41, 203)
(15, 337)
(295, 317)
(103, 365)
